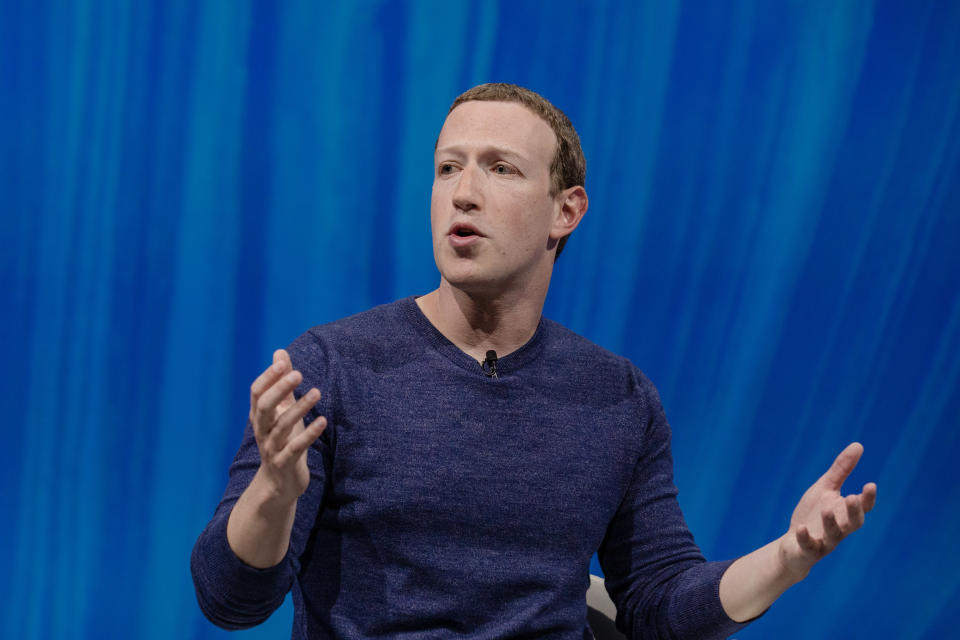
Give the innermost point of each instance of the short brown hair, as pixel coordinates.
(569, 167)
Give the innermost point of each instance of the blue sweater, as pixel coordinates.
(444, 502)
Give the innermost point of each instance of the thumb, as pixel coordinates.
(842, 466)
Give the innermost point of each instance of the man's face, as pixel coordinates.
(491, 210)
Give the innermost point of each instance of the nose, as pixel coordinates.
(467, 195)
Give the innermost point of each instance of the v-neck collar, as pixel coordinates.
(506, 365)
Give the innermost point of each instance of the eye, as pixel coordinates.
(503, 169)
(445, 169)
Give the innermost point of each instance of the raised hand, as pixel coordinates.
(277, 420)
(824, 517)
(260, 522)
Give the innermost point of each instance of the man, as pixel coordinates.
(448, 464)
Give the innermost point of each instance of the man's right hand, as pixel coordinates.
(259, 526)
(277, 420)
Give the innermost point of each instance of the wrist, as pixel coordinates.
(269, 497)
(793, 566)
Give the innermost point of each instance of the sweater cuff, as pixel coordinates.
(236, 583)
(703, 615)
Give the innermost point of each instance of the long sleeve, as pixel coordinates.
(231, 593)
(443, 499)
(656, 575)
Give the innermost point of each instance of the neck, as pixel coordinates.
(476, 323)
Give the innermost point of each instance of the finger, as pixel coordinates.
(270, 398)
(830, 526)
(869, 496)
(806, 541)
(301, 442)
(290, 417)
(842, 466)
(282, 357)
(854, 512)
(265, 380)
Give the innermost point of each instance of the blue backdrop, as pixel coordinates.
(774, 237)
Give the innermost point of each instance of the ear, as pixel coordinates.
(572, 205)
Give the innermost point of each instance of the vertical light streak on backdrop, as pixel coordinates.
(206, 274)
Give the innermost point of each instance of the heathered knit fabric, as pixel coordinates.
(444, 503)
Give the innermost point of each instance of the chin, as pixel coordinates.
(470, 284)
(469, 278)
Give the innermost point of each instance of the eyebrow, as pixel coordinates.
(489, 150)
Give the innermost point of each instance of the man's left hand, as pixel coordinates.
(824, 517)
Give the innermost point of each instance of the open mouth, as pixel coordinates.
(464, 230)
(463, 235)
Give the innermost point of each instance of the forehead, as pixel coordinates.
(506, 125)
